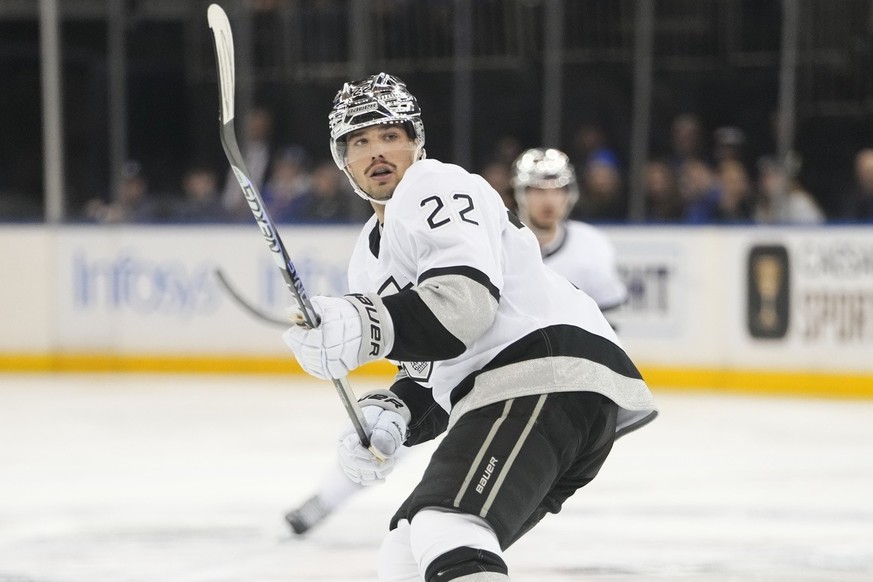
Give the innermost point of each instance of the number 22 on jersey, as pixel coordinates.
(459, 208)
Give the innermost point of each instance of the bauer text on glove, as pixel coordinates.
(353, 330)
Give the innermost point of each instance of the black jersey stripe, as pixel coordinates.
(418, 334)
(464, 271)
(375, 239)
(514, 220)
(551, 341)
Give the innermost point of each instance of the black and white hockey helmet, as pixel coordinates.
(376, 100)
(543, 168)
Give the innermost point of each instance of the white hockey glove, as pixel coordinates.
(387, 417)
(352, 330)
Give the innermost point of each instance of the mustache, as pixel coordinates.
(380, 163)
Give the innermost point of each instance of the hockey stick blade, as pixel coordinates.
(224, 57)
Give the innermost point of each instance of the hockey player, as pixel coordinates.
(517, 366)
(545, 189)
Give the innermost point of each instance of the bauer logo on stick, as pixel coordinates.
(258, 211)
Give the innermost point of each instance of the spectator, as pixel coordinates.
(700, 192)
(499, 175)
(603, 197)
(327, 199)
(686, 135)
(663, 201)
(289, 178)
(257, 150)
(200, 197)
(783, 199)
(737, 197)
(859, 206)
(133, 203)
(730, 142)
(589, 141)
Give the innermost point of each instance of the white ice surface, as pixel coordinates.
(113, 478)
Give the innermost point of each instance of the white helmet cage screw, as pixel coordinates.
(376, 100)
(543, 168)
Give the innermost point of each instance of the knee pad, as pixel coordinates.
(448, 545)
(396, 562)
(467, 565)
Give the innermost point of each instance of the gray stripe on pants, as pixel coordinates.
(475, 464)
(505, 470)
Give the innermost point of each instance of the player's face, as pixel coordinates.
(378, 156)
(546, 206)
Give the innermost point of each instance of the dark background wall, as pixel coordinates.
(706, 64)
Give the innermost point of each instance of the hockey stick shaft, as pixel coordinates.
(224, 55)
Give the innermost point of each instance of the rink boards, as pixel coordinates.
(765, 309)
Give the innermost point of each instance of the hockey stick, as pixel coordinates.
(223, 40)
(241, 301)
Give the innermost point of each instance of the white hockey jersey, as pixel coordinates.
(477, 316)
(584, 255)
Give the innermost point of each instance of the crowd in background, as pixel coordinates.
(694, 183)
(294, 187)
(702, 179)
(705, 178)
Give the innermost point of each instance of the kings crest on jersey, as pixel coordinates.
(470, 297)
